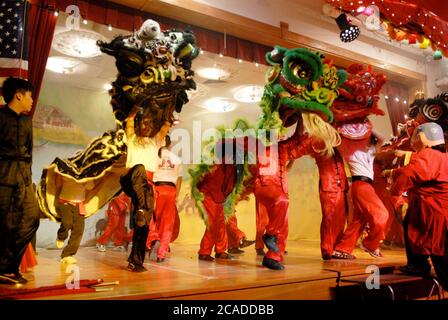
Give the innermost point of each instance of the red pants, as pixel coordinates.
(334, 208)
(234, 235)
(261, 220)
(276, 203)
(176, 227)
(215, 235)
(115, 228)
(165, 212)
(28, 259)
(367, 208)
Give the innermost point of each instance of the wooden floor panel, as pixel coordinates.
(183, 276)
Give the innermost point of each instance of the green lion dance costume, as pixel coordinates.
(300, 87)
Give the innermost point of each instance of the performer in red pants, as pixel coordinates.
(215, 235)
(333, 201)
(271, 191)
(116, 212)
(367, 206)
(425, 179)
(332, 194)
(167, 180)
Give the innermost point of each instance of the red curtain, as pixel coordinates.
(42, 23)
(397, 103)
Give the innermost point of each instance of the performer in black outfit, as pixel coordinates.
(19, 214)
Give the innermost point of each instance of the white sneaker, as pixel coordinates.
(59, 244)
(101, 247)
(69, 260)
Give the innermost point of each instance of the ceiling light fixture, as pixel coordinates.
(249, 94)
(349, 32)
(214, 73)
(78, 43)
(219, 105)
(62, 65)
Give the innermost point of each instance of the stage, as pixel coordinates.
(183, 276)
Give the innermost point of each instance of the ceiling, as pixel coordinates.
(94, 73)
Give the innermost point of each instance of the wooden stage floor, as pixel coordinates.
(183, 276)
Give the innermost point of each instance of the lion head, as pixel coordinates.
(154, 72)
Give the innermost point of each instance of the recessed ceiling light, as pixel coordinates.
(62, 65)
(249, 94)
(219, 105)
(214, 73)
(78, 43)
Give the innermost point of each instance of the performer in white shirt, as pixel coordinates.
(143, 144)
(167, 180)
(367, 206)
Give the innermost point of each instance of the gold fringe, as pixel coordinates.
(323, 131)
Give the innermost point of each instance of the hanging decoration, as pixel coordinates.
(405, 21)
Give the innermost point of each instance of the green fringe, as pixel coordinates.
(200, 171)
(197, 175)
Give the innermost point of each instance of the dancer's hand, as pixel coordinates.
(386, 173)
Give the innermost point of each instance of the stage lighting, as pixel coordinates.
(349, 32)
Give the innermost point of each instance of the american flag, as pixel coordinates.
(14, 38)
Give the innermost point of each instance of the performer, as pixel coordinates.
(70, 207)
(116, 212)
(271, 191)
(19, 214)
(167, 180)
(367, 206)
(143, 145)
(215, 234)
(425, 179)
(332, 193)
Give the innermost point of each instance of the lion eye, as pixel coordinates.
(300, 71)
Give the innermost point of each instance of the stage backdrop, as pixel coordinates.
(68, 118)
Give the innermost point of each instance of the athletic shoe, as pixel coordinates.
(272, 264)
(69, 260)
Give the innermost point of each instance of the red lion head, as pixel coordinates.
(359, 94)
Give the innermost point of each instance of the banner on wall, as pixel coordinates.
(51, 124)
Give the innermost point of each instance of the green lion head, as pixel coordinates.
(298, 81)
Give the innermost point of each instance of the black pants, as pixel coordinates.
(71, 221)
(19, 220)
(421, 262)
(135, 185)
